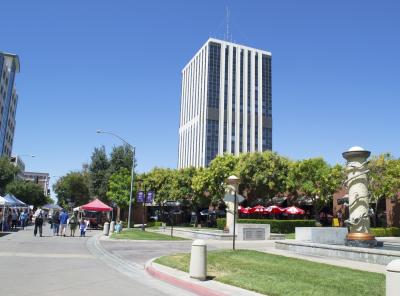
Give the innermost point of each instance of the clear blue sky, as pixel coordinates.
(116, 65)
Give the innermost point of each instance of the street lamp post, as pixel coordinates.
(234, 182)
(140, 182)
(133, 165)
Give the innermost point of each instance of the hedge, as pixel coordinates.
(277, 226)
(154, 224)
(391, 231)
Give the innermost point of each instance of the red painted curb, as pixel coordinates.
(191, 287)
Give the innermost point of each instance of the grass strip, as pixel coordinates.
(275, 275)
(137, 234)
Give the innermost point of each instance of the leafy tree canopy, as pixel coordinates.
(210, 181)
(7, 173)
(29, 192)
(119, 187)
(120, 157)
(99, 173)
(72, 188)
(384, 176)
(315, 178)
(161, 180)
(264, 174)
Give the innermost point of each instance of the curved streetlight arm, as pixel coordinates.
(115, 135)
(133, 165)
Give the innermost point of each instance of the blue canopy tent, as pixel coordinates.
(17, 202)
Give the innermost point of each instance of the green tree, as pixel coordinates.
(210, 181)
(120, 157)
(182, 183)
(384, 178)
(161, 181)
(99, 173)
(119, 187)
(72, 188)
(29, 192)
(316, 179)
(7, 173)
(262, 174)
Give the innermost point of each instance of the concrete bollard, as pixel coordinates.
(393, 278)
(112, 227)
(106, 228)
(198, 260)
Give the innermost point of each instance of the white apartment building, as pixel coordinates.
(226, 103)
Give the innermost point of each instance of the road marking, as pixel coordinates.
(36, 255)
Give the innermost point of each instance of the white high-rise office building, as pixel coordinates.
(9, 66)
(226, 103)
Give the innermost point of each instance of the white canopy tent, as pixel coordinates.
(6, 201)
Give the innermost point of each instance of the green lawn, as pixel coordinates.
(137, 234)
(290, 235)
(277, 275)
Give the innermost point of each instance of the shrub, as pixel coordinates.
(392, 231)
(221, 222)
(277, 226)
(395, 231)
(154, 224)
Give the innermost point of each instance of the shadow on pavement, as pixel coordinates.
(4, 233)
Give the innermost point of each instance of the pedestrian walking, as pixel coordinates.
(82, 227)
(9, 219)
(14, 219)
(73, 223)
(56, 223)
(1, 219)
(38, 224)
(63, 222)
(22, 219)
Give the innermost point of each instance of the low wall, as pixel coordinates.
(373, 255)
(322, 235)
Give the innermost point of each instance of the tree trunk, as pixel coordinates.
(118, 213)
(376, 212)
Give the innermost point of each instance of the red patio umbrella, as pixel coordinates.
(259, 209)
(294, 211)
(274, 210)
(244, 210)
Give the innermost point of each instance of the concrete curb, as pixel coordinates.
(191, 287)
(203, 288)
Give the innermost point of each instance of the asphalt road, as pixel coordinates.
(68, 266)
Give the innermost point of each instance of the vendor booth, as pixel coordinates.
(7, 202)
(95, 211)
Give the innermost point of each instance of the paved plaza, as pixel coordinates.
(63, 265)
(97, 264)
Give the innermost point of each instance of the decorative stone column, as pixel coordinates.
(230, 210)
(232, 200)
(357, 184)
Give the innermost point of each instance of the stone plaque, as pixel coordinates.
(253, 234)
